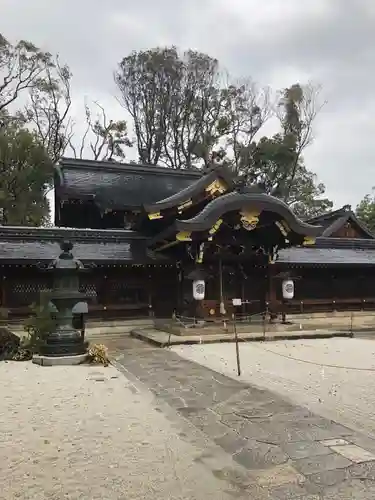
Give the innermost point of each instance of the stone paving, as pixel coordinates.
(333, 378)
(284, 451)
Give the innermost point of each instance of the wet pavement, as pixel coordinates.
(283, 451)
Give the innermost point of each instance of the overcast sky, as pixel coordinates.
(276, 42)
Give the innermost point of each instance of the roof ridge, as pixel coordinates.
(352, 243)
(74, 163)
(58, 233)
(340, 211)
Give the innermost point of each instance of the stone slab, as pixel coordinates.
(313, 465)
(277, 476)
(354, 453)
(334, 442)
(304, 449)
(164, 339)
(59, 360)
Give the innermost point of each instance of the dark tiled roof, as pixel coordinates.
(196, 187)
(335, 220)
(327, 256)
(101, 246)
(328, 218)
(114, 185)
(22, 244)
(345, 243)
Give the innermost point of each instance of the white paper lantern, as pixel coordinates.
(288, 289)
(199, 289)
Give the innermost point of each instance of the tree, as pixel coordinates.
(276, 162)
(365, 210)
(306, 197)
(247, 108)
(105, 138)
(48, 109)
(21, 68)
(27, 71)
(176, 104)
(25, 173)
(298, 108)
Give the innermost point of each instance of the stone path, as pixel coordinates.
(284, 451)
(333, 378)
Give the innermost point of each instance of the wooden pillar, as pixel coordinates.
(221, 289)
(271, 292)
(3, 299)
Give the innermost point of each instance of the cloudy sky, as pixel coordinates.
(276, 42)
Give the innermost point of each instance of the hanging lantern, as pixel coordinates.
(288, 289)
(199, 289)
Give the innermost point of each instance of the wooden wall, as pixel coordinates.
(115, 291)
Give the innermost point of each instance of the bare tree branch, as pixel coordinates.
(106, 139)
(21, 67)
(48, 109)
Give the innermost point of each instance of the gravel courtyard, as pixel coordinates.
(89, 433)
(333, 377)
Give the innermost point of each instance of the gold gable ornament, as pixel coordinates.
(307, 240)
(215, 227)
(216, 187)
(184, 205)
(155, 215)
(249, 220)
(283, 227)
(183, 236)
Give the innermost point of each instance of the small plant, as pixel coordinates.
(38, 326)
(4, 313)
(98, 354)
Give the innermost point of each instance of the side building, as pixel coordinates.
(137, 226)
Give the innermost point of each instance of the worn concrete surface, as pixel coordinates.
(286, 450)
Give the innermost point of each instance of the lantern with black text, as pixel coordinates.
(288, 289)
(199, 289)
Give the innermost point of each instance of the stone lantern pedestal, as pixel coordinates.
(65, 345)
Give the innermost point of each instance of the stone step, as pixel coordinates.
(97, 328)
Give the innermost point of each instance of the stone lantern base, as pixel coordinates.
(66, 346)
(41, 360)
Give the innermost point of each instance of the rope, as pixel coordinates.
(323, 365)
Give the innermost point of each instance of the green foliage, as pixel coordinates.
(306, 197)
(39, 325)
(110, 137)
(186, 116)
(4, 313)
(47, 110)
(25, 173)
(175, 103)
(365, 210)
(277, 162)
(21, 66)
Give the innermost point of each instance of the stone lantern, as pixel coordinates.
(65, 345)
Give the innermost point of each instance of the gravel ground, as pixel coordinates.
(88, 433)
(333, 377)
